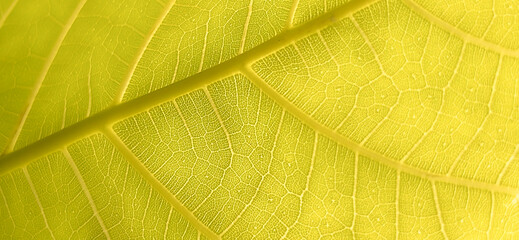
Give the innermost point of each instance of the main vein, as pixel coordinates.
(124, 110)
(95, 123)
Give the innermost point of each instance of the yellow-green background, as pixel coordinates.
(365, 119)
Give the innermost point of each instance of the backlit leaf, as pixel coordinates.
(365, 119)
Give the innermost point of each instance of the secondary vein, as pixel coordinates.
(376, 156)
(93, 124)
(157, 185)
(43, 74)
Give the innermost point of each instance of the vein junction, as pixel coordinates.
(239, 64)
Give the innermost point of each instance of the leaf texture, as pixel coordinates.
(360, 119)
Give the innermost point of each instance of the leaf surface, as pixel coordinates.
(368, 119)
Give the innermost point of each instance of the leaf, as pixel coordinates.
(393, 119)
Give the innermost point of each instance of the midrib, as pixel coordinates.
(238, 64)
(97, 122)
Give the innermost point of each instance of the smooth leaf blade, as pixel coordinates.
(356, 119)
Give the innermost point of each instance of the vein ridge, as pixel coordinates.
(465, 36)
(292, 13)
(156, 184)
(43, 74)
(33, 190)
(317, 126)
(7, 13)
(90, 125)
(438, 210)
(245, 29)
(85, 190)
(135, 62)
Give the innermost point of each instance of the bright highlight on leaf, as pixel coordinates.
(181, 119)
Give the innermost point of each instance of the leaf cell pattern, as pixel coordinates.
(391, 119)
